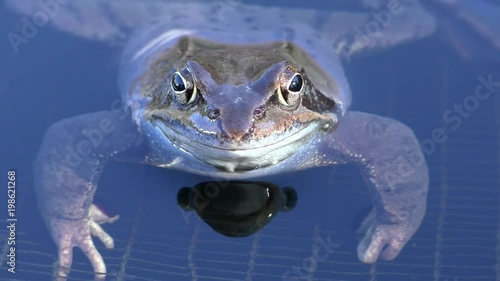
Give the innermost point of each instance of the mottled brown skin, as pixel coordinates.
(220, 64)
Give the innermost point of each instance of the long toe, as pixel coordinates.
(65, 255)
(88, 248)
(97, 231)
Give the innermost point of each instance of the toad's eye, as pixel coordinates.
(183, 88)
(290, 89)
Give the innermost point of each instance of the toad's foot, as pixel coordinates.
(397, 176)
(382, 239)
(77, 233)
(66, 181)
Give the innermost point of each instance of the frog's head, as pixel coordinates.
(238, 107)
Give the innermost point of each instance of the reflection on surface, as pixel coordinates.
(237, 208)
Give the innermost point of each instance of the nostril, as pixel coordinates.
(259, 113)
(214, 114)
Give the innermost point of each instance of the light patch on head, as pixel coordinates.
(161, 40)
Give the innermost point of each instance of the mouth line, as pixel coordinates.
(289, 139)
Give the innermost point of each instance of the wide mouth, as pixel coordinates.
(239, 156)
(286, 138)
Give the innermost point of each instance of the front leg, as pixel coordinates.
(396, 172)
(67, 169)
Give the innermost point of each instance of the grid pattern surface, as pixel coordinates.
(458, 240)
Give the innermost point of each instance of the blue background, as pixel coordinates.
(57, 76)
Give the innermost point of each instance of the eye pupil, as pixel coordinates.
(296, 83)
(183, 88)
(178, 83)
(289, 93)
